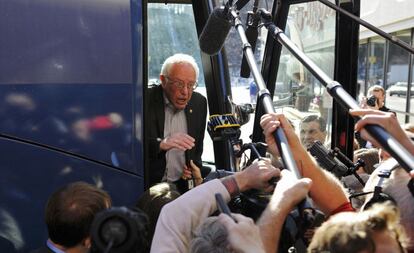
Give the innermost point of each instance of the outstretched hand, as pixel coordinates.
(385, 119)
(181, 141)
(257, 176)
(290, 190)
(269, 123)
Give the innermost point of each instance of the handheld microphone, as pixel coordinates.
(215, 31)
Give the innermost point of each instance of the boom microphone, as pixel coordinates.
(215, 31)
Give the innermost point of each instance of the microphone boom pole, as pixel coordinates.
(264, 94)
(391, 145)
(304, 208)
(393, 39)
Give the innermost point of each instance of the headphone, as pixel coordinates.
(379, 196)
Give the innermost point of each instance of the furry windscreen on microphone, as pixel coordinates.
(215, 31)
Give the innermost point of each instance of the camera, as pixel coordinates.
(372, 101)
(120, 230)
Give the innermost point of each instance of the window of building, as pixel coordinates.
(397, 76)
(362, 69)
(376, 56)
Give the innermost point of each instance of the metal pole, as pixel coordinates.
(390, 144)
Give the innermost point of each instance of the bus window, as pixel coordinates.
(243, 89)
(297, 92)
(171, 30)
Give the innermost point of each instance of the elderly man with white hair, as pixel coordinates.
(175, 127)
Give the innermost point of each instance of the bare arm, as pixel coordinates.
(288, 193)
(326, 191)
(385, 119)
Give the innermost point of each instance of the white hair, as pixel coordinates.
(210, 237)
(177, 59)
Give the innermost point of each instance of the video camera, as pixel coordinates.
(335, 162)
(327, 160)
(120, 230)
(223, 127)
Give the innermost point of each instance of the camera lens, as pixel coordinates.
(372, 101)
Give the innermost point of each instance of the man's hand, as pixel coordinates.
(326, 191)
(243, 236)
(257, 176)
(270, 122)
(385, 119)
(290, 191)
(181, 141)
(363, 103)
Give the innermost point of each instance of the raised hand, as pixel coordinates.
(243, 236)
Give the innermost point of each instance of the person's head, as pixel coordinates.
(70, 211)
(396, 187)
(374, 230)
(211, 236)
(378, 92)
(312, 128)
(152, 201)
(179, 75)
(369, 156)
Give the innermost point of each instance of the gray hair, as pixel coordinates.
(179, 59)
(210, 237)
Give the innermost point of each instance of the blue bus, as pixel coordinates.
(73, 80)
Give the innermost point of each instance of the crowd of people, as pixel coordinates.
(183, 218)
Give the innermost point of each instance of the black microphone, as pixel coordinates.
(215, 31)
(327, 160)
(252, 32)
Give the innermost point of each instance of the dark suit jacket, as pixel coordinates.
(195, 112)
(43, 249)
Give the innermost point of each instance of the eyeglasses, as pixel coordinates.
(357, 199)
(180, 84)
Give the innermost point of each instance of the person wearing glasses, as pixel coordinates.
(175, 121)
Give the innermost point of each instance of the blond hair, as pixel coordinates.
(353, 232)
(376, 88)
